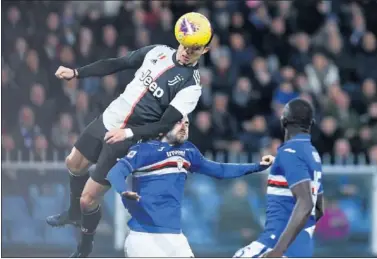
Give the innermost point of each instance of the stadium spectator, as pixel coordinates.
(366, 59)
(83, 115)
(201, 131)
(224, 125)
(40, 149)
(9, 94)
(45, 110)
(321, 74)
(255, 134)
(18, 55)
(61, 131)
(26, 130)
(342, 151)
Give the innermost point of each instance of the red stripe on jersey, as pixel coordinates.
(278, 183)
(141, 96)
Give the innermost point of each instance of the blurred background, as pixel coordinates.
(263, 55)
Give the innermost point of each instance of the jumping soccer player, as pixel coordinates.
(294, 191)
(166, 87)
(159, 170)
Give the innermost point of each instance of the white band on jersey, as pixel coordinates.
(186, 100)
(129, 133)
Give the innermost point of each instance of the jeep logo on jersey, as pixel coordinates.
(152, 85)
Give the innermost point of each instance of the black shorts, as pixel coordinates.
(92, 146)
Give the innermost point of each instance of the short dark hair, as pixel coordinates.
(298, 112)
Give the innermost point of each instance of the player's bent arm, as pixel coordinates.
(319, 207)
(151, 130)
(183, 104)
(300, 215)
(226, 170)
(118, 174)
(103, 67)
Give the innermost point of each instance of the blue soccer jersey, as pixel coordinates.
(296, 161)
(159, 172)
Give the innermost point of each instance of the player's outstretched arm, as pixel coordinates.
(103, 67)
(229, 170)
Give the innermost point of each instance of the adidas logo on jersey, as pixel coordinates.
(152, 85)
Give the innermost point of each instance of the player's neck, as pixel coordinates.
(166, 140)
(291, 132)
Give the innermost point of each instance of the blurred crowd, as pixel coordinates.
(263, 54)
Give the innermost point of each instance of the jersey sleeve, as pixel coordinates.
(294, 167)
(201, 165)
(187, 98)
(133, 59)
(135, 157)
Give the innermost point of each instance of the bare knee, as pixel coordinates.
(77, 163)
(92, 195)
(89, 202)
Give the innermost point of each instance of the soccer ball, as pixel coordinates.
(193, 29)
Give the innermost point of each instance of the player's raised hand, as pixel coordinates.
(131, 196)
(65, 73)
(115, 135)
(267, 160)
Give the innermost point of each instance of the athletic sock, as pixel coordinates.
(89, 223)
(76, 184)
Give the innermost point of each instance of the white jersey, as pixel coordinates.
(159, 82)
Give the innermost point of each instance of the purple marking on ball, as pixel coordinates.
(187, 27)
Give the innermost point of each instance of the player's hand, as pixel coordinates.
(131, 196)
(115, 135)
(65, 73)
(272, 254)
(267, 160)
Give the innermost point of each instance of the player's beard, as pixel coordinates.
(181, 137)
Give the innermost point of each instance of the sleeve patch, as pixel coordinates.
(131, 154)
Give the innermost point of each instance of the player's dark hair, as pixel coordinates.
(298, 113)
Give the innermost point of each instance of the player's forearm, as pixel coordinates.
(228, 170)
(152, 130)
(117, 176)
(102, 67)
(296, 224)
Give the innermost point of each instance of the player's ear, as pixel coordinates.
(206, 49)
